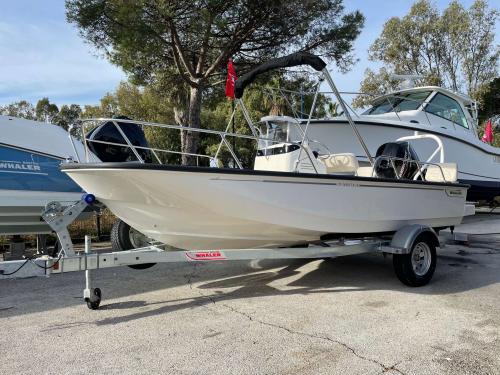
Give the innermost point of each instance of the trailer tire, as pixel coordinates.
(122, 239)
(417, 267)
(95, 300)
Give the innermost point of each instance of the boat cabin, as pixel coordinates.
(437, 107)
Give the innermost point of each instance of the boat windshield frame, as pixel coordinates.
(394, 102)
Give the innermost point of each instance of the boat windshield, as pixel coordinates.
(279, 132)
(445, 107)
(399, 102)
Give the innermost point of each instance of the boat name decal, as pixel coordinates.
(347, 184)
(457, 193)
(205, 255)
(19, 166)
(496, 159)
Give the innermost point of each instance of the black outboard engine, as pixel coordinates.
(401, 165)
(107, 132)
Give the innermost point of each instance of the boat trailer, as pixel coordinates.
(413, 248)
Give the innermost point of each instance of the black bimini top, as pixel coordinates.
(247, 172)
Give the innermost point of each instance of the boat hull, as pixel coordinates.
(210, 208)
(30, 155)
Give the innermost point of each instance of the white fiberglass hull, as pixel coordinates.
(203, 208)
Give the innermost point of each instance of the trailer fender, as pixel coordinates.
(403, 240)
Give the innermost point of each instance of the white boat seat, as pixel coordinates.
(345, 163)
(449, 170)
(365, 172)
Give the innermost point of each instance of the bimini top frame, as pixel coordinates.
(297, 59)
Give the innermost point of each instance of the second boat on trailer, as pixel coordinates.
(293, 196)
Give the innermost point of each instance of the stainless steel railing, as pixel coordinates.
(86, 123)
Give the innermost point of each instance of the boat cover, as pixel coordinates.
(295, 59)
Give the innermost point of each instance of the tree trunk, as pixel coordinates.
(180, 115)
(190, 140)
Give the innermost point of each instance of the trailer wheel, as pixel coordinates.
(417, 268)
(95, 300)
(124, 237)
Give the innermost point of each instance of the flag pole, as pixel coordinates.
(234, 138)
(230, 80)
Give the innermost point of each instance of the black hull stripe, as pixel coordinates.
(330, 184)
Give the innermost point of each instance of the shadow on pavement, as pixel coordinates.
(459, 269)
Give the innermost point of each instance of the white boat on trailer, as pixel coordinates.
(216, 208)
(281, 209)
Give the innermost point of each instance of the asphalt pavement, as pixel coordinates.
(349, 315)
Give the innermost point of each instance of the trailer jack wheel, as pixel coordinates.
(417, 267)
(94, 300)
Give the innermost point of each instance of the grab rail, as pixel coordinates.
(128, 144)
(439, 149)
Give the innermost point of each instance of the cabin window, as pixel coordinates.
(447, 108)
(399, 102)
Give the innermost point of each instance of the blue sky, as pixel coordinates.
(41, 55)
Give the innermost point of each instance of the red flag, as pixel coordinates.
(231, 79)
(488, 133)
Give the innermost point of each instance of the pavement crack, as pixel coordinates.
(383, 367)
(192, 275)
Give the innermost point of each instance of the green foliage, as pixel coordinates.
(194, 40)
(182, 46)
(21, 109)
(67, 115)
(454, 49)
(489, 101)
(45, 110)
(375, 84)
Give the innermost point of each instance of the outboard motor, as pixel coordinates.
(107, 132)
(401, 166)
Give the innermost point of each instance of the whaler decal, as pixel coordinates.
(23, 166)
(205, 255)
(28, 171)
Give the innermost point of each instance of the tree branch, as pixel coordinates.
(204, 46)
(179, 68)
(180, 52)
